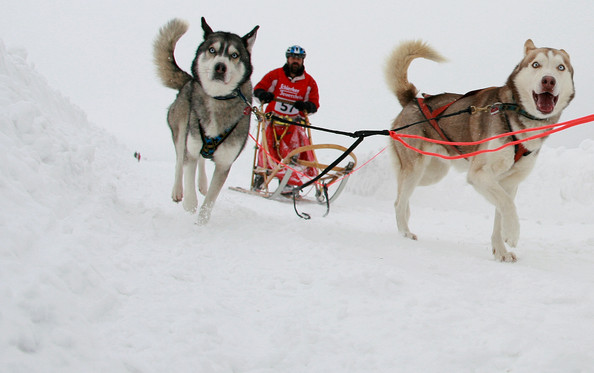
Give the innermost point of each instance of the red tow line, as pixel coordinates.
(549, 129)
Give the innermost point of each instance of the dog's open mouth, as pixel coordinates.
(545, 102)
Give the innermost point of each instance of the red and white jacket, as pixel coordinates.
(299, 88)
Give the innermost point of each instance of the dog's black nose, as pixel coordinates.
(548, 83)
(220, 68)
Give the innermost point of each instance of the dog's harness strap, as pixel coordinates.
(520, 149)
(430, 117)
(433, 116)
(210, 144)
(230, 96)
(513, 107)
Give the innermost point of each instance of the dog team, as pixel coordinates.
(210, 119)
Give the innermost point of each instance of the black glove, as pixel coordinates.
(263, 95)
(308, 106)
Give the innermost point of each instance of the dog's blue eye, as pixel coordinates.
(212, 50)
(536, 65)
(561, 67)
(234, 55)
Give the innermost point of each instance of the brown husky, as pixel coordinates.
(535, 94)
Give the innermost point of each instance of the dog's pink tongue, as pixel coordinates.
(545, 102)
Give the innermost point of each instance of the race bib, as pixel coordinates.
(285, 108)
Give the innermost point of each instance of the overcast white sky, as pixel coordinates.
(99, 54)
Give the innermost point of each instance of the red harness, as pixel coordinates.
(432, 116)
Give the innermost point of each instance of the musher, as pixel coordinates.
(295, 94)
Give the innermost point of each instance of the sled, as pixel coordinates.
(265, 180)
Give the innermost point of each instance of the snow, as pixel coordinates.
(100, 271)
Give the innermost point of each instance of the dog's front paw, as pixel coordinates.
(177, 194)
(203, 215)
(410, 235)
(505, 256)
(190, 203)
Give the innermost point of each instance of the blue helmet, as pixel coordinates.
(295, 51)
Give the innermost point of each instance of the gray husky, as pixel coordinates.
(210, 117)
(535, 94)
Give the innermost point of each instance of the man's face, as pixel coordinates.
(295, 63)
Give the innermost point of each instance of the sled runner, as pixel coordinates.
(279, 171)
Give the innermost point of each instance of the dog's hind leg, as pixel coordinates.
(407, 182)
(402, 210)
(414, 170)
(178, 125)
(177, 194)
(218, 179)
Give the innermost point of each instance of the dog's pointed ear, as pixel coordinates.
(528, 46)
(250, 38)
(206, 28)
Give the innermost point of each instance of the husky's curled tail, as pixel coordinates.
(169, 72)
(397, 67)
